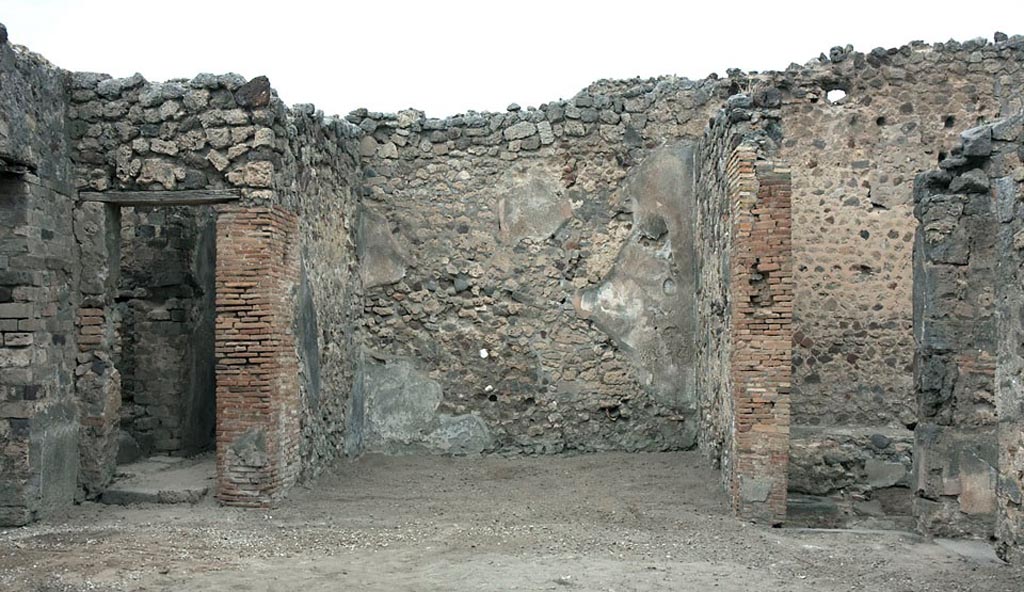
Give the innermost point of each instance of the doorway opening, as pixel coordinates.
(148, 320)
(165, 303)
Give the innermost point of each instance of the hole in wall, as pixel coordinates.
(835, 95)
(881, 121)
(949, 122)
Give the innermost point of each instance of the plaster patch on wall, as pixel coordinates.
(531, 205)
(645, 303)
(401, 415)
(382, 258)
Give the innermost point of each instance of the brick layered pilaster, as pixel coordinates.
(97, 380)
(257, 367)
(761, 288)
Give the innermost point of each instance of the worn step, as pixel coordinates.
(162, 480)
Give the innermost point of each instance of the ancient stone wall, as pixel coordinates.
(320, 174)
(955, 328)
(968, 326)
(534, 270)
(1005, 169)
(713, 238)
(38, 276)
(854, 160)
(857, 127)
(97, 380)
(532, 281)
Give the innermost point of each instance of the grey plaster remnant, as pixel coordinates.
(401, 414)
(755, 490)
(251, 448)
(531, 205)
(381, 257)
(307, 333)
(884, 474)
(199, 405)
(54, 450)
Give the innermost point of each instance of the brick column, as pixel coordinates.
(761, 288)
(257, 367)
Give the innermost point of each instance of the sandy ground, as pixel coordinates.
(605, 522)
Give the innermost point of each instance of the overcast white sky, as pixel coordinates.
(447, 56)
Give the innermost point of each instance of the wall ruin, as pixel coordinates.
(573, 277)
(38, 281)
(745, 303)
(535, 269)
(967, 309)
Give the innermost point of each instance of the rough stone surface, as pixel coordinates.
(956, 332)
(853, 169)
(39, 417)
(860, 477)
(97, 378)
(545, 268)
(967, 325)
(529, 251)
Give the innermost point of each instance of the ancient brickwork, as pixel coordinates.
(968, 326)
(258, 423)
(761, 289)
(38, 275)
(606, 272)
(745, 303)
(740, 120)
(97, 379)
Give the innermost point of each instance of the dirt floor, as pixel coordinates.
(605, 522)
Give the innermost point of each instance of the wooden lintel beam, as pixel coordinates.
(188, 197)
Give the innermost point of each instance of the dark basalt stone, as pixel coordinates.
(254, 94)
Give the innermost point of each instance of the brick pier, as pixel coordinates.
(257, 367)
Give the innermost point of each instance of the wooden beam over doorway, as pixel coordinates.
(187, 197)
